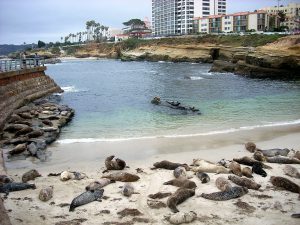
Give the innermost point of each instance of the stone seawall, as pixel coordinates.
(18, 88)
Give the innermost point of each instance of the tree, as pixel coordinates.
(282, 16)
(134, 22)
(41, 44)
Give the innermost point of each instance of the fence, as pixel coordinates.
(20, 64)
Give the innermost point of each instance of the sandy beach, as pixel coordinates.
(268, 205)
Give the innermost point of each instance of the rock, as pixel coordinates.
(50, 129)
(14, 118)
(40, 143)
(154, 204)
(50, 137)
(32, 149)
(222, 67)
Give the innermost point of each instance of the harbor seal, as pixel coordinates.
(18, 149)
(30, 175)
(297, 155)
(99, 184)
(235, 168)
(85, 198)
(46, 194)
(160, 195)
(250, 146)
(245, 182)
(250, 162)
(178, 197)
(4, 179)
(23, 131)
(247, 172)
(285, 184)
(122, 176)
(117, 164)
(180, 172)
(203, 177)
(223, 184)
(182, 182)
(127, 189)
(155, 204)
(259, 156)
(14, 186)
(234, 192)
(180, 218)
(282, 160)
(68, 175)
(291, 171)
(274, 152)
(201, 165)
(169, 165)
(257, 168)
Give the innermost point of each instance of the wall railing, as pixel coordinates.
(7, 65)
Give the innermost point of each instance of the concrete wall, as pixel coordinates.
(252, 22)
(18, 88)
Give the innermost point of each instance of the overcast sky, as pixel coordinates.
(47, 20)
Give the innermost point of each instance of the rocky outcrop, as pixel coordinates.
(17, 88)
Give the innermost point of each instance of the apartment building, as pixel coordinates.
(292, 12)
(237, 22)
(174, 17)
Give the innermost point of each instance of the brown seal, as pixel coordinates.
(178, 197)
(250, 162)
(235, 168)
(247, 172)
(18, 149)
(25, 130)
(297, 155)
(155, 204)
(285, 184)
(160, 195)
(122, 176)
(169, 165)
(282, 160)
(30, 175)
(250, 146)
(234, 192)
(223, 184)
(259, 156)
(245, 182)
(291, 171)
(46, 194)
(182, 182)
(117, 164)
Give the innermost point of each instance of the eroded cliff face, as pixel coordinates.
(18, 88)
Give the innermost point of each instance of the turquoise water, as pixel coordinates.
(112, 100)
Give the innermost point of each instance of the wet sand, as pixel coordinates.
(269, 205)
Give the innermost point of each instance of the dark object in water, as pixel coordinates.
(174, 103)
(85, 198)
(257, 168)
(10, 187)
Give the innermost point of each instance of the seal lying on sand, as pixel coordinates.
(67, 175)
(10, 187)
(86, 198)
(223, 184)
(127, 190)
(117, 164)
(285, 183)
(99, 184)
(201, 165)
(30, 175)
(46, 194)
(297, 155)
(257, 168)
(182, 182)
(203, 177)
(160, 195)
(259, 156)
(178, 197)
(4, 179)
(169, 165)
(250, 146)
(122, 176)
(234, 192)
(282, 160)
(180, 172)
(291, 171)
(235, 168)
(250, 162)
(274, 152)
(245, 182)
(180, 218)
(247, 172)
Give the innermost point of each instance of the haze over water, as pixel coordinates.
(112, 100)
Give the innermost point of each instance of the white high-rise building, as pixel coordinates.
(170, 17)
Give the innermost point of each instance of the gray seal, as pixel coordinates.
(169, 165)
(85, 198)
(203, 177)
(122, 176)
(14, 186)
(234, 192)
(291, 171)
(245, 182)
(282, 160)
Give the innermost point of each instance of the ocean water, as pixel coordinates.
(112, 100)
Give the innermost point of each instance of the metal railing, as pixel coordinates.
(7, 65)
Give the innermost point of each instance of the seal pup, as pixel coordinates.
(67, 175)
(14, 186)
(259, 156)
(85, 198)
(203, 177)
(127, 190)
(178, 197)
(180, 172)
(245, 182)
(46, 194)
(99, 184)
(250, 146)
(4, 179)
(223, 184)
(234, 192)
(285, 184)
(182, 182)
(122, 176)
(291, 171)
(181, 217)
(235, 168)
(30, 175)
(247, 172)
(160, 195)
(117, 164)
(282, 160)
(155, 204)
(201, 165)
(257, 168)
(250, 162)
(169, 165)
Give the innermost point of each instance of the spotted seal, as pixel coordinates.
(274, 152)
(99, 184)
(291, 171)
(245, 182)
(46, 194)
(234, 192)
(203, 177)
(285, 184)
(235, 168)
(178, 197)
(85, 198)
(30, 175)
(223, 184)
(117, 164)
(282, 160)
(181, 217)
(182, 182)
(169, 165)
(247, 172)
